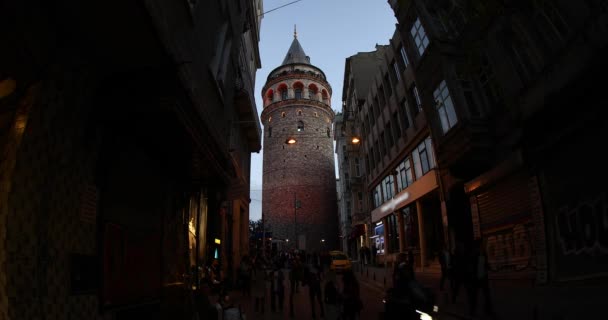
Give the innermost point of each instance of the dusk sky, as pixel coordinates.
(329, 31)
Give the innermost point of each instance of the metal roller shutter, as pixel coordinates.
(506, 227)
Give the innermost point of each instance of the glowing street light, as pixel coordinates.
(290, 141)
(356, 140)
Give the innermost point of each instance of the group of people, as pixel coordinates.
(265, 279)
(468, 269)
(367, 255)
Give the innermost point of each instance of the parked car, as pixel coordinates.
(339, 261)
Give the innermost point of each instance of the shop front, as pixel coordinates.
(504, 206)
(410, 221)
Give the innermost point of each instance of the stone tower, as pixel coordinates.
(299, 184)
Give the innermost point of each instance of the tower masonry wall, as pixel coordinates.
(303, 171)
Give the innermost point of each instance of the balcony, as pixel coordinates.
(361, 218)
(466, 149)
(246, 109)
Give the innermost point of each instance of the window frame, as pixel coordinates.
(419, 36)
(445, 111)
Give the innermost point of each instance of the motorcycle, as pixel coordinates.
(413, 301)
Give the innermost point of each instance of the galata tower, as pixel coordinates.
(299, 180)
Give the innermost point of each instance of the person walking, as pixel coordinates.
(216, 276)
(277, 288)
(446, 268)
(401, 274)
(411, 261)
(362, 255)
(259, 286)
(351, 297)
(293, 283)
(478, 278)
(331, 297)
(458, 269)
(313, 282)
(245, 276)
(374, 253)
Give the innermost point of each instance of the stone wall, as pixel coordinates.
(304, 170)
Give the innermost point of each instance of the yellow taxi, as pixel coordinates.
(339, 261)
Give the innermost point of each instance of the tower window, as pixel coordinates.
(300, 126)
(299, 112)
(283, 91)
(312, 92)
(328, 132)
(269, 132)
(298, 88)
(316, 115)
(282, 114)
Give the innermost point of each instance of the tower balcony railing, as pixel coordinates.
(292, 101)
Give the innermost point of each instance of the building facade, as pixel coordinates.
(399, 207)
(500, 83)
(299, 194)
(125, 153)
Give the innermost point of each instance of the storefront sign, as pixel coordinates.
(419, 188)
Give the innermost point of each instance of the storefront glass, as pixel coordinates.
(393, 234)
(410, 225)
(379, 238)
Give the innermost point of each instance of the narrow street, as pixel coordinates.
(372, 294)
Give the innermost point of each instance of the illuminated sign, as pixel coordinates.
(391, 204)
(218, 241)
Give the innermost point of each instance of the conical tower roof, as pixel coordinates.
(296, 54)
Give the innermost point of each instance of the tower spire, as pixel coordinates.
(295, 32)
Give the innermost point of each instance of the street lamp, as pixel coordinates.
(290, 141)
(355, 140)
